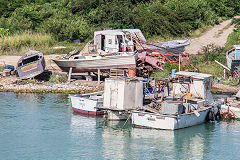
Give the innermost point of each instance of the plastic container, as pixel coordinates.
(173, 72)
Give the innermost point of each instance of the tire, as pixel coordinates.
(236, 75)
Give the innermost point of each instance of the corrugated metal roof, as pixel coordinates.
(193, 74)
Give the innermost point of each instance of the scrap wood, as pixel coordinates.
(146, 107)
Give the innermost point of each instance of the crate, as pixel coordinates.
(172, 107)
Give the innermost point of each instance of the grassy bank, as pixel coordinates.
(204, 63)
(20, 43)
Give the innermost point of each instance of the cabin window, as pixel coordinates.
(29, 60)
(237, 53)
(184, 79)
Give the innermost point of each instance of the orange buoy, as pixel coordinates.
(132, 72)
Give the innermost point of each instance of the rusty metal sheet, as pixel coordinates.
(30, 67)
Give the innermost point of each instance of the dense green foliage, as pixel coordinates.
(3, 32)
(77, 19)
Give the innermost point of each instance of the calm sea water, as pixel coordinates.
(43, 126)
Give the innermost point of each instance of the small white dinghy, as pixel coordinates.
(87, 103)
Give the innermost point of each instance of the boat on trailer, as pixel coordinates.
(191, 103)
(120, 49)
(87, 103)
(31, 64)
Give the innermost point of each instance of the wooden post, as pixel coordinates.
(69, 74)
(99, 76)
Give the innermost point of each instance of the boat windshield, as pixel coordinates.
(29, 60)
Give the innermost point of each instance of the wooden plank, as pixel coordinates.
(151, 109)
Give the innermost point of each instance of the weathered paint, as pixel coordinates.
(123, 94)
(93, 64)
(31, 68)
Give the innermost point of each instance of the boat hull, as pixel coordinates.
(91, 113)
(86, 106)
(92, 65)
(30, 65)
(168, 122)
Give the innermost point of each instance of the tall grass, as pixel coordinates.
(13, 44)
(234, 37)
(19, 44)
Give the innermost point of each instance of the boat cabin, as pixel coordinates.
(196, 85)
(115, 41)
(233, 57)
(237, 51)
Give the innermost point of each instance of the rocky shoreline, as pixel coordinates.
(14, 84)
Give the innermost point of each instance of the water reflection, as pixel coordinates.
(116, 140)
(138, 143)
(43, 126)
(86, 136)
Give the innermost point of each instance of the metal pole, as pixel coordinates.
(179, 63)
(69, 74)
(224, 71)
(98, 76)
(222, 65)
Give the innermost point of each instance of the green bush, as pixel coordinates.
(212, 52)
(155, 19)
(67, 20)
(65, 26)
(192, 14)
(3, 32)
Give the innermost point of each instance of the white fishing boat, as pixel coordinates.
(87, 103)
(189, 105)
(80, 63)
(170, 122)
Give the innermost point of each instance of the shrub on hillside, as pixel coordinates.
(3, 32)
(155, 19)
(65, 26)
(192, 14)
(212, 52)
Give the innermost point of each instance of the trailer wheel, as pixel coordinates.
(236, 75)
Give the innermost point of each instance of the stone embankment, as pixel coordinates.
(13, 84)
